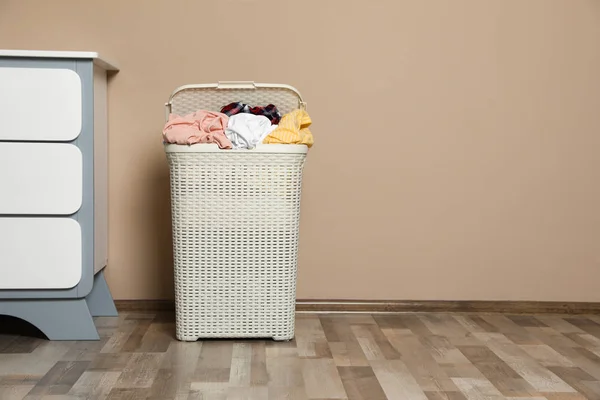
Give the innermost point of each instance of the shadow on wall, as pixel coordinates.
(159, 198)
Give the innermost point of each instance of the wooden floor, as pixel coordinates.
(334, 356)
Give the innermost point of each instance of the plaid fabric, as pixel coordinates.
(269, 111)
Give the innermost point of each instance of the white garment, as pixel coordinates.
(247, 130)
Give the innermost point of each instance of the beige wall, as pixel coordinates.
(457, 146)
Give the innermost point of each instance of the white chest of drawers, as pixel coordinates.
(53, 190)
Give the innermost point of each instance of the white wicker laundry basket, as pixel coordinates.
(235, 223)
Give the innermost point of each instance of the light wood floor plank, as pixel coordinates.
(397, 381)
(322, 380)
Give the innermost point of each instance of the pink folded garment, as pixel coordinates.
(199, 127)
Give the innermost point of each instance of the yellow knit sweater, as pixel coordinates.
(292, 129)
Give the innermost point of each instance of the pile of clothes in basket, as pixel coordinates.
(240, 126)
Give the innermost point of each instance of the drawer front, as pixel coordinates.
(40, 253)
(40, 178)
(40, 104)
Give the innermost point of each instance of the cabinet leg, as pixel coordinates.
(57, 319)
(100, 301)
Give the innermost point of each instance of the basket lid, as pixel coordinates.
(213, 96)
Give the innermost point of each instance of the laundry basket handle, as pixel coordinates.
(236, 85)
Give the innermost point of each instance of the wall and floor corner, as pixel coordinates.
(456, 154)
